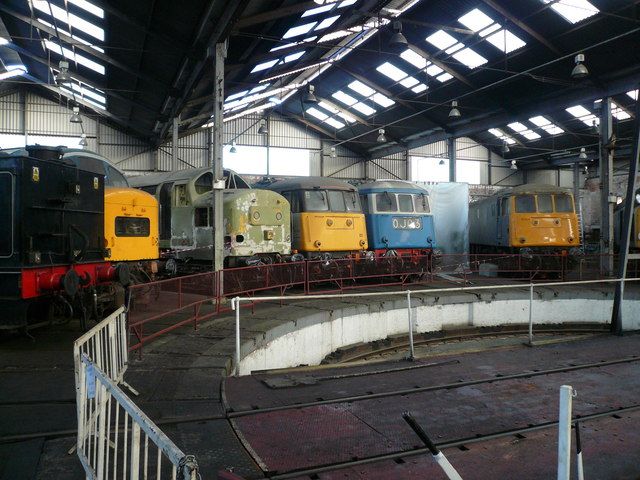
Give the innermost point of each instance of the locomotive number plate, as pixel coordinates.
(406, 223)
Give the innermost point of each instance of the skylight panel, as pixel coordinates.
(70, 19)
(573, 10)
(361, 88)
(13, 71)
(633, 94)
(523, 130)
(391, 71)
(347, 117)
(382, 100)
(236, 95)
(75, 37)
(344, 98)
(314, 112)
(505, 41)
(409, 82)
(293, 56)
(444, 77)
(546, 125)
(517, 127)
(364, 108)
(286, 45)
(334, 123)
(259, 88)
(327, 22)
(414, 58)
(346, 3)
(578, 111)
(618, 112)
(490, 29)
(74, 57)
(475, 20)
(337, 112)
(530, 135)
(470, 58)
(433, 70)
(441, 39)
(89, 7)
(454, 48)
(299, 30)
(496, 132)
(317, 10)
(419, 88)
(264, 66)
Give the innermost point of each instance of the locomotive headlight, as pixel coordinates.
(35, 257)
(329, 222)
(278, 216)
(35, 174)
(96, 183)
(256, 215)
(570, 239)
(522, 239)
(349, 222)
(317, 243)
(288, 238)
(362, 242)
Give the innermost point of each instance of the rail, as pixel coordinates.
(159, 307)
(110, 421)
(237, 301)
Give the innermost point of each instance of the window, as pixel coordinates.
(496, 132)
(289, 162)
(247, 160)
(299, 30)
(564, 203)
(422, 203)
(584, 115)
(465, 55)
(315, 201)
(386, 202)
(132, 227)
(428, 169)
(573, 10)
(545, 204)
(468, 171)
(336, 201)
(203, 183)
(505, 206)
(352, 201)
(364, 201)
(405, 202)
(524, 131)
(397, 75)
(201, 217)
(151, 189)
(545, 124)
(292, 198)
(525, 204)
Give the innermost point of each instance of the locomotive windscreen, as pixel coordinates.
(6, 214)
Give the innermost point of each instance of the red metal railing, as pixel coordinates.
(159, 307)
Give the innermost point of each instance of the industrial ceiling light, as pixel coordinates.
(514, 165)
(63, 77)
(333, 152)
(580, 70)
(233, 148)
(398, 39)
(75, 117)
(441, 162)
(83, 140)
(505, 148)
(263, 129)
(381, 138)
(583, 154)
(454, 112)
(309, 96)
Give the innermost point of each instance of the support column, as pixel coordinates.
(489, 165)
(218, 174)
(268, 144)
(407, 165)
(606, 185)
(174, 144)
(451, 150)
(625, 230)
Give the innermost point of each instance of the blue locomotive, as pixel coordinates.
(399, 218)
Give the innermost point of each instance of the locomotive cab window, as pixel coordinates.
(504, 207)
(564, 203)
(405, 203)
(422, 203)
(364, 201)
(386, 202)
(315, 201)
(203, 183)
(545, 204)
(132, 227)
(336, 201)
(525, 204)
(352, 201)
(201, 217)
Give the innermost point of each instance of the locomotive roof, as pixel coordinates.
(309, 183)
(186, 174)
(528, 188)
(394, 185)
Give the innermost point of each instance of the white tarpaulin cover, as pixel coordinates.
(450, 207)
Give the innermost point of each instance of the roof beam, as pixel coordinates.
(523, 26)
(442, 65)
(274, 14)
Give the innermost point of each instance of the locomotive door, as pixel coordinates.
(502, 223)
(164, 198)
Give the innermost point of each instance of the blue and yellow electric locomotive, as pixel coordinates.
(399, 219)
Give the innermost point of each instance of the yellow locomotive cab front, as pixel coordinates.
(130, 225)
(332, 232)
(543, 220)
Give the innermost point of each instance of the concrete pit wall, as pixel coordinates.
(315, 330)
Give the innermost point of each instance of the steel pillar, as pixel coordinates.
(606, 186)
(625, 230)
(218, 174)
(174, 144)
(489, 167)
(451, 150)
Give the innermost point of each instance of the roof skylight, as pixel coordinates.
(475, 20)
(361, 88)
(451, 46)
(546, 124)
(264, 66)
(336, 111)
(470, 58)
(317, 113)
(391, 71)
(75, 57)
(633, 94)
(523, 130)
(344, 98)
(327, 22)
(334, 123)
(618, 112)
(364, 108)
(491, 31)
(505, 41)
(584, 115)
(317, 10)
(441, 40)
(299, 30)
(414, 58)
(573, 10)
(496, 132)
(70, 19)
